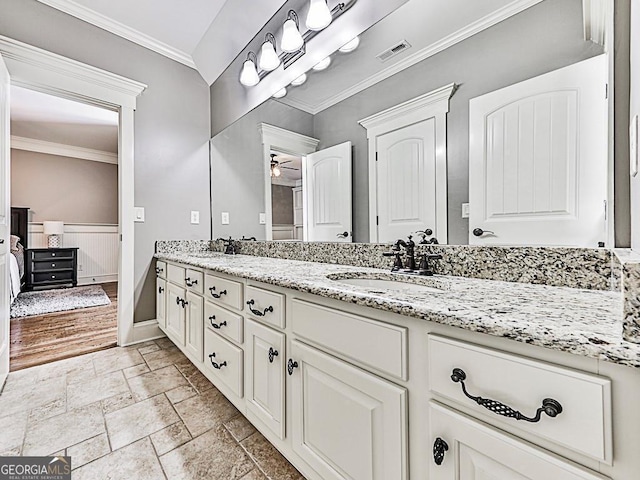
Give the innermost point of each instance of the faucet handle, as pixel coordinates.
(424, 269)
(397, 263)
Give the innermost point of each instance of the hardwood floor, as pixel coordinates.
(55, 336)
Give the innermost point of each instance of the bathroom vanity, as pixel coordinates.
(353, 373)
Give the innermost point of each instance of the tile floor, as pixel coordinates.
(142, 412)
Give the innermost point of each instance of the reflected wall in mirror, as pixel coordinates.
(513, 44)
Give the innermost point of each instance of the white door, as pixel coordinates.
(161, 302)
(175, 313)
(538, 160)
(326, 179)
(346, 423)
(465, 449)
(4, 220)
(195, 323)
(406, 181)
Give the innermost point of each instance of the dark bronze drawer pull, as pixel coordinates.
(159, 270)
(439, 449)
(272, 354)
(217, 295)
(549, 406)
(258, 313)
(217, 366)
(190, 283)
(217, 325)
(181, 301)
(291, 365)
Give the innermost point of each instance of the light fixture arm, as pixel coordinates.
(292, 15)
(271, 39)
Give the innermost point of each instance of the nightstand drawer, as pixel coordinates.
(47, 277)
(59, 253)
(49, 265)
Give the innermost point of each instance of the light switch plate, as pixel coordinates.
(263, 218)
(224, 218)
(633, 146)
(195, 217)
(465, 210)
(138, 214)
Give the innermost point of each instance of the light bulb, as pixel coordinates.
(276, 171)
(249, 75)
(350, 46)
(300, 80)
(268, 57)
(280, 93)
(319, 15)
(291, 39)
(322, 64)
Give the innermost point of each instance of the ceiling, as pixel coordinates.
(209, 34)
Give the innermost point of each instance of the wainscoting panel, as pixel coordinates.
(98, 249)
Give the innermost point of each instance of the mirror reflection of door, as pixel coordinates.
(327, 195)
(286, 196)
(538, 160)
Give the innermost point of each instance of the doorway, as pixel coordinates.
(286, 196)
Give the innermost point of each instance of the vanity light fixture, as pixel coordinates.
(291, 38)
(249, 75)
(319, 15)
(318, 67)
(350, 46)
(269, 59)
(300, 80)
(280, 93)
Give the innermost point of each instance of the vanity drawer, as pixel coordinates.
(223, 291)
(194, 280)
(266, 306)
(176, 274)
(224, 361)
(222, 321)
(584, 425)
(370, 343)
(161, 269)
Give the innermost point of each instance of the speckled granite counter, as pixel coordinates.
(582, 322)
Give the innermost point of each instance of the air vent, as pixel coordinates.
(393, 51)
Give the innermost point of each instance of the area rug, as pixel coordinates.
(47, 301)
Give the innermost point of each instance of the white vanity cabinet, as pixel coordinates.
(194, 326)
(176, 313)
(346, 423)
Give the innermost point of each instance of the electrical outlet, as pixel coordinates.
(465, 210)
(263, 218)
(224, 218)
(195, 217)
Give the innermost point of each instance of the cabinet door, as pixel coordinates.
(346, 423)
(161, 302)
(471, 450)
(195, 315)
(175, 313)
(264, 381)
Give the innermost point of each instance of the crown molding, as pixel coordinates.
(470, 30)
(596, 15)
(101, 21)
(52, 148)
(276, 136)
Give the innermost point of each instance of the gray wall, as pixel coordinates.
(238, 168)
(282, 204)
(171, 127)
(541, 39)
(63, 188)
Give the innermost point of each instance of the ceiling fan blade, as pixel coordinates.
(289, 168)
(288, 161)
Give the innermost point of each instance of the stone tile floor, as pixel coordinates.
(142, 412)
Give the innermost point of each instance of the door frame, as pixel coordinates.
(285, 141)
(37, 69)
(434, 104)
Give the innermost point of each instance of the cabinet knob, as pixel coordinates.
(439, 449)
(291, 364)
(272, 354)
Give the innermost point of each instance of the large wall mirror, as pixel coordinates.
(458, 122)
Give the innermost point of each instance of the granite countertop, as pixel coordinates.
(582, 322)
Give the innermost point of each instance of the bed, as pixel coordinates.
(19, 243)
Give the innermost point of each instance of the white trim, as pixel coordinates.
(434, 104)
(101, 21)
(596, 17)
(276, 138)
(470, 30)
(144, 331)
(39, 69)
(52, 148)
(36, 227)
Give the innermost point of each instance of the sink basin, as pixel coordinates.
(395, 285)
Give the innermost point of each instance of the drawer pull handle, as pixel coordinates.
(217, 295)
(217, 325)
(53, 265)
(181, 301)
(53, 276)
(439, 449)
(272, 354)
(159, 270)
(217, 366)
(291, 365)
(258, 313)
(160, 289)
(549, 406)
(190, 283)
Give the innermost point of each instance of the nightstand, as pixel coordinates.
(51, 267)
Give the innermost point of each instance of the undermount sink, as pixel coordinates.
(389, 284)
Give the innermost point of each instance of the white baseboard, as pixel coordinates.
(97, 279)
(144, 331)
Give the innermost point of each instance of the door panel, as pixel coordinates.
(5, 139)
(195, 325)
(326, 181)
(538, 160)
(175, 313)
(161, 302)
(406, 181)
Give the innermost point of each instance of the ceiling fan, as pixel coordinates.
(276, 166)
